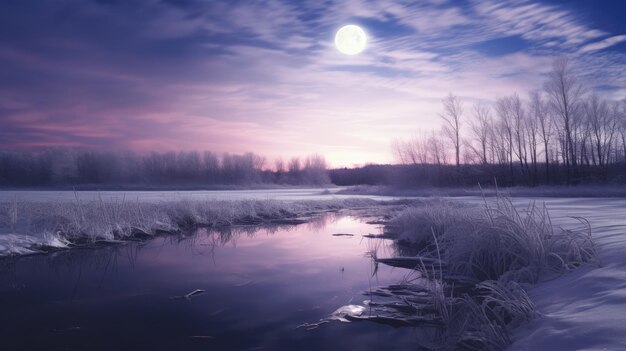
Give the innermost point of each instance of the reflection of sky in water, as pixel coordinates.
(259, 287)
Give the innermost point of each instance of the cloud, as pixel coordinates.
(264, 76)
(536, 22)
(602, 44)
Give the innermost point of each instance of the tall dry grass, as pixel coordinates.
(474, 264)
(495, 241)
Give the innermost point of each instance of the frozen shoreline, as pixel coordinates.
(39, 227)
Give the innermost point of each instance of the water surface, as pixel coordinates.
(260, 285)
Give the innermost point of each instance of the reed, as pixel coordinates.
(472, 268)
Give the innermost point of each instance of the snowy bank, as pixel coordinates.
(17, 244)
(585, 309)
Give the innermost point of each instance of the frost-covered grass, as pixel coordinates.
(473, 266)
(496, 240)
(30, 227)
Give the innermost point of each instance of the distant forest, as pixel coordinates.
(562, 134)
(68, 167)
(470, 175)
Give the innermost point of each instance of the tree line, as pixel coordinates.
(63, 167)
(561, 134)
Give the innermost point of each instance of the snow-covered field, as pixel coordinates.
(584, 309)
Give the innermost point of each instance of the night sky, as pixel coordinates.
(265, 76)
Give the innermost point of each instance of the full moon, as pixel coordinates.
(350, 39)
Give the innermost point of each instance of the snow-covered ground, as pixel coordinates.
(611, 191)
(289, 194)
(586, 308)
(16, 244)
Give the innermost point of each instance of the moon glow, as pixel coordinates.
(350, 39)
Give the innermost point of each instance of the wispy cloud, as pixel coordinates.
(536, 22)
(603, 44)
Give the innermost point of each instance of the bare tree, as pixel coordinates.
(519, 130)
(398, 145)
(315, 170)
(499, 144)
(617, 118)
(437, 150)
(481, 128)
(514, 121)
(452, 115)
(539, 110)
(413, 151)
(621, 116)
(279, 167)
(564, 95)
(581, 135)
(532, 131)
(602, 124)
(294, 165)
(506, 127)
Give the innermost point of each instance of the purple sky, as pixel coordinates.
(264, 76)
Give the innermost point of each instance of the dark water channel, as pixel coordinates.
(260, 284)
